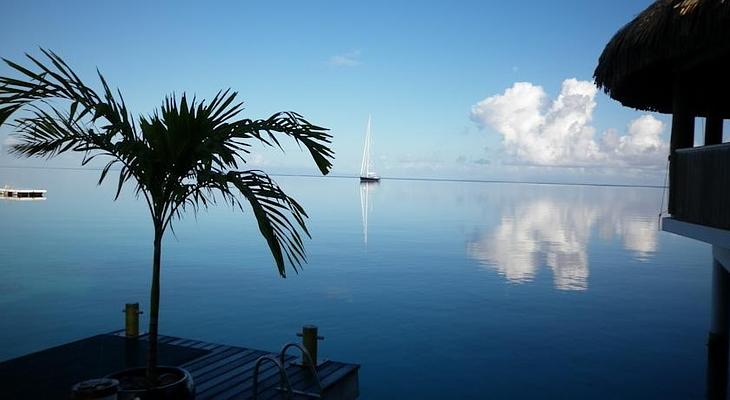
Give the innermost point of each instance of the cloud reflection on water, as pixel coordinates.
(555, 231)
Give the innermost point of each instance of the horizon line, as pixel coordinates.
(393, 178)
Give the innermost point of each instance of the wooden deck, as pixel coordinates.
(219, 371)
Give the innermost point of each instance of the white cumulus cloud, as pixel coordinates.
(349, 59)
(538, 131)
(9, 142)
(642, 145)
(257, 160)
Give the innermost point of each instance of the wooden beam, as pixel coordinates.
(683, 133)
(683, 120)
(713, 130)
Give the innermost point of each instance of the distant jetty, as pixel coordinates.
(22, 194)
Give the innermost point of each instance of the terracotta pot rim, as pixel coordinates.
(184, 375)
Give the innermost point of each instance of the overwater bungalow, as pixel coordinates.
(674, 58)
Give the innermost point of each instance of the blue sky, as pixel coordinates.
(419, 68)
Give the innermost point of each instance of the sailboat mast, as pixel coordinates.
(365, 165)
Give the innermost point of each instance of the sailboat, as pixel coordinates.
(366, 174)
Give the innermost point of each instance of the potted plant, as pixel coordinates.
(184, 156)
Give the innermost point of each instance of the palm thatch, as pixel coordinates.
(686, 41)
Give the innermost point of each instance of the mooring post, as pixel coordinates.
(131, 320)
(309, 341)
(717, 343)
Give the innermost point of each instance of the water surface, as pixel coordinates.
(439, 289)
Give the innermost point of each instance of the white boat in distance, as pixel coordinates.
(366, 173)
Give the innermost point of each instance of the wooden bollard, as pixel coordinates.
(131, 319)
(309, 342)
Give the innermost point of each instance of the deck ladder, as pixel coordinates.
(284, 382)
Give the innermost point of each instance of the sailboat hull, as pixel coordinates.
(369, 179)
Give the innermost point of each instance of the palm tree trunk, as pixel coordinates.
(154, 305)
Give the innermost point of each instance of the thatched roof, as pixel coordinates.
(685, 38)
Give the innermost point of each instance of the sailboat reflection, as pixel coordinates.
(555, 232)
(365, 205)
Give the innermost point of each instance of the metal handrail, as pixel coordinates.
(308, 359)
(283, 377)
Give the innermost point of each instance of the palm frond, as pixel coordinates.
(270, 206)
(314, 138)
(183, 156)
(281, 219)
(63, 113)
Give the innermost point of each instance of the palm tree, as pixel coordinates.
(184, 156)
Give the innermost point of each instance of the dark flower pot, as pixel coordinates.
(176, 383)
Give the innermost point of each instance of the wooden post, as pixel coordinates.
(683, 131)
(683, 135)
(131, 319)
(309, 342)
(713, 130)
(717, 343)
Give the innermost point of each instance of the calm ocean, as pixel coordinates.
(439, 289)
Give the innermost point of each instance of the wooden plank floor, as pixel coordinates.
(226, 372)
(219, 371)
